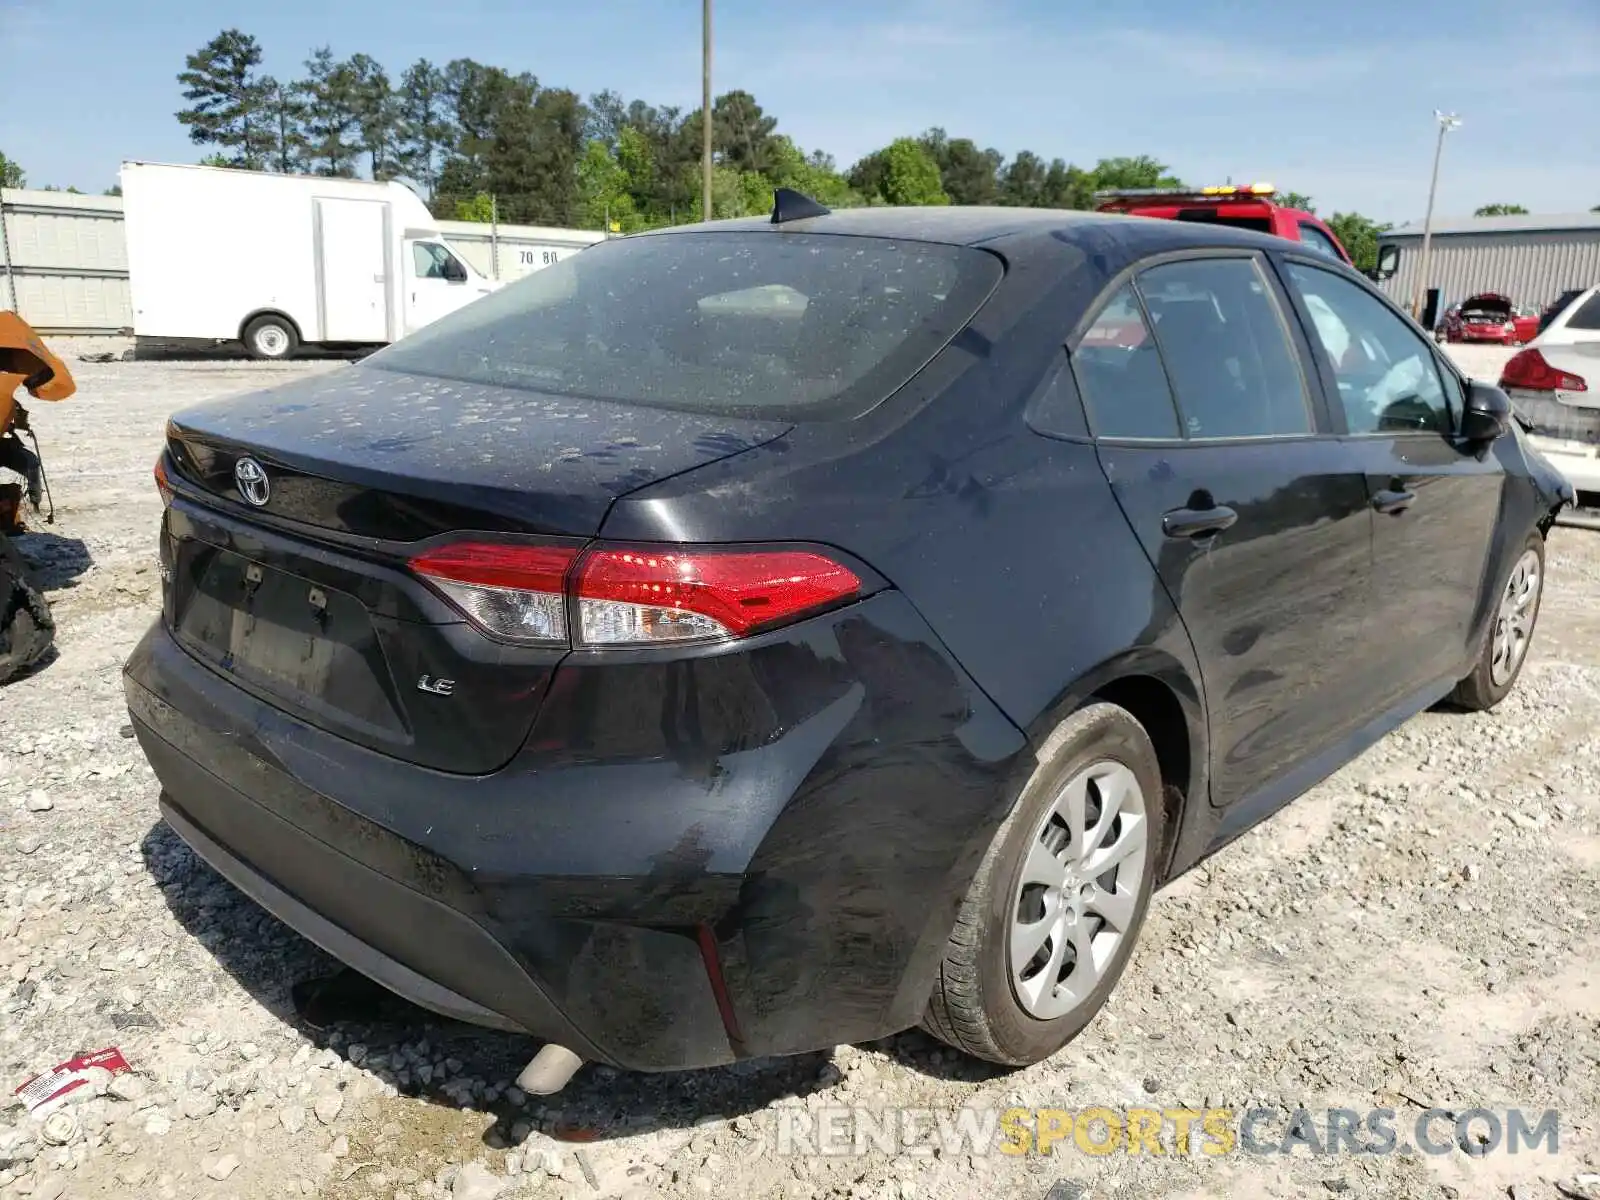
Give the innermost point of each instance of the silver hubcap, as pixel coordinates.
(1079, 889)
(272, 341)
(1513, 624)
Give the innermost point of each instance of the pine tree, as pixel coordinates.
(376, 112)
(286, 113)
(227, 99)
(422, 125)
(330, 94)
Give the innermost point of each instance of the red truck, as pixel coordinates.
(1246, 206)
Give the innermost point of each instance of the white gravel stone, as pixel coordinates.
(198, 1106)
(220, 1168)
(476, 1182)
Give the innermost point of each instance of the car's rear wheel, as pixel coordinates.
(1052, 915)
(1505, 643)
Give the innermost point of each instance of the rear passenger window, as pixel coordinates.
(1587, 317)
(1119, 373)
(1226, 349)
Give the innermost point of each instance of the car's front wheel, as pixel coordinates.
(1505, 643)
(1052, 915)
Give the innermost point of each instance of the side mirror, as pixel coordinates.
(1388, 263)
(454, 271)
(1487, 414)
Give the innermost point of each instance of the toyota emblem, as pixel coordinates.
(250, 477)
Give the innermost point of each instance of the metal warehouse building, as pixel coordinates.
(1531, 259)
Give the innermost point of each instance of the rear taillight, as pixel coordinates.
(632, 596)
(1528, 369)
(637, 597)
(511, 591)
(162, 484)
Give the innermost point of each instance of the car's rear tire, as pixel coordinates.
(1095, 794)
(1506, 641)
(271, 338)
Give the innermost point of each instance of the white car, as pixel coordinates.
(1554, 385)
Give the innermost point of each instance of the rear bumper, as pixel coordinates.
(755, 851)
(1581, 467)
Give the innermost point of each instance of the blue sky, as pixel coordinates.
(1331, 99)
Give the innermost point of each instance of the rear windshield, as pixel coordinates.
(779, 324)
(1210, 216)
(1562, 302)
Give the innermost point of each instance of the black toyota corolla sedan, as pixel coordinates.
(750, 637)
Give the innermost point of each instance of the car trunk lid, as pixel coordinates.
(378, 454)
(305, 599)
(1486, 310)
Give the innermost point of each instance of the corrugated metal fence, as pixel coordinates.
(64, 262)
(1530, 268)
(64, 258)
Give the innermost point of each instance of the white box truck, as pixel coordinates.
(277, 262)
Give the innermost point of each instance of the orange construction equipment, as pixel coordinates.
(26, 627)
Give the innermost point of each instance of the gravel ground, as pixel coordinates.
(1422, 929)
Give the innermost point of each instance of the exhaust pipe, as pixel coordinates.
(550, 1071)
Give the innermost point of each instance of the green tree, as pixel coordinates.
(1140, 171)
(558, 120)
(1022, 181)
(491, 127)
(1359, 236)
(227, 99)
(608, 117)
(1295, 200)
(423, 129)
(11, 173)
(114, 190)
(286, 114)
(331, 94)
(603, 194)
(1067, 186)
(479, 208)
(1500, 210)
(814, 175)
(742, 134)
(377, 114)
(967, 174)
(910, 175)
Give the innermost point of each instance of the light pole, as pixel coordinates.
(1447, 122)
(705, 111)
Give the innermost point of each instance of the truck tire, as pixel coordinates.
(271, 337)
(26, 627)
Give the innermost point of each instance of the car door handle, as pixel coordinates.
(1393, 500)
(1197, 522)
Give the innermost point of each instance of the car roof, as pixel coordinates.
(1011, 231)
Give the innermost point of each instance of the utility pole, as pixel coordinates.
(1447, 122)
(705, 112)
